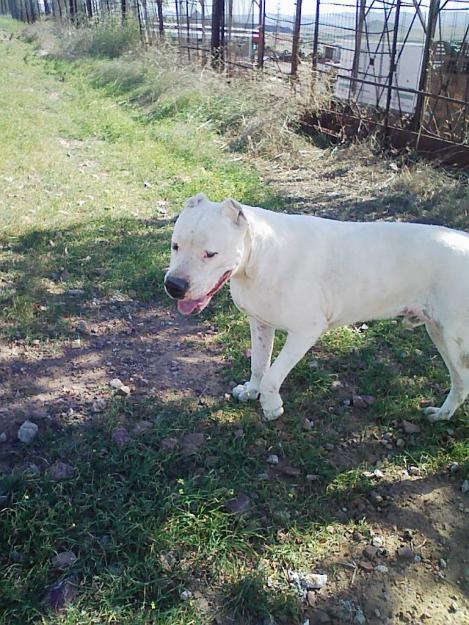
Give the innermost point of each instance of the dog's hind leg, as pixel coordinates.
(453, 344)
(262, 341)
(294, 349)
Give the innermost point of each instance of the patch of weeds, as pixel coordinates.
(250, 601)
(109, 38)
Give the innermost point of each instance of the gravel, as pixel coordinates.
(239, 504)
(60, 471)
(64, 559)
(27, 432)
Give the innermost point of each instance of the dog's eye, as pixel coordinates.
(175, 247)
(210, 254)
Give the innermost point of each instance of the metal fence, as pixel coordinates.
(398, 66)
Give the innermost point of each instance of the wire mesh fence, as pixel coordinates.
(401, 66)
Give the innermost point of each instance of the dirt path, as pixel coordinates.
(150, 348)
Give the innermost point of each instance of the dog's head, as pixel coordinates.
(207, 248)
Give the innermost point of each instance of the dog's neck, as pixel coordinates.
(254, 238)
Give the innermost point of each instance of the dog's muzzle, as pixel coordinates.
(176, 287)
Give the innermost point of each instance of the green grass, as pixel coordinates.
(84, 180)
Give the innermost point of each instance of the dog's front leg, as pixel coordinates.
(294, 349)
(262, 341)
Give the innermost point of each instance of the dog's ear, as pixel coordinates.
(193, 201)
(234, 211)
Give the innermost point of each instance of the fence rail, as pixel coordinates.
(390, 64)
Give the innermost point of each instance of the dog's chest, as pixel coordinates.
(255, 302)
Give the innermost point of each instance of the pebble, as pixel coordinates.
(82, 327)
(121, 436)
(443, 564)
(290, 471)
(311, 597)
(75, 292)
(412, 470)
(64, 559)
(185, 595)
(370, 552)
(3, 437)
(409, 427)
(60, 471)
(316, 581)
(307, 581)
(312, 477)
(169, 443)
(366, 566)
(167, 560)
(142, 427)
(240, 504)
(400, 442)
(381, 568)
(405, 552)
(27, 432)
(454, 467)
(465, 486)
(32, 470)
(363, 401)
(272, 459)
(61, 594)
(359, 402)
(377, 541)
(98, 406)
(329, 447)
(360, 618)
(192, 442)
(307, 424)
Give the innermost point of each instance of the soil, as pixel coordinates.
(153, 350)
(149, 348)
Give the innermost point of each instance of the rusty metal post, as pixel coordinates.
(216, 45)
(392, 67)
(188, 31)
(316, 35)
(296, 39)
(431, 26)
(261, 43)
(359, 20)
(159, 8)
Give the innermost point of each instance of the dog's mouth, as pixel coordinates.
(194, 306)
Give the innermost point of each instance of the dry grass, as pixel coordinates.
(255, 113)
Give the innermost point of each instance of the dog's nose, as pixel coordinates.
(176, 287)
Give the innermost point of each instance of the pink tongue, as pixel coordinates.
(188, 306)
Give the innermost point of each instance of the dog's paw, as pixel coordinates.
(244, 392)
(272, 414)
(433, 414)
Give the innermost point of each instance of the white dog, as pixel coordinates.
(307, 275)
